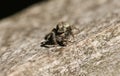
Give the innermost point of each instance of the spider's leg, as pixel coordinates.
(54, 38)
(47, 36)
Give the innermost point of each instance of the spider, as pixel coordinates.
(59, 35)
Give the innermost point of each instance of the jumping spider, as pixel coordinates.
(59, 35)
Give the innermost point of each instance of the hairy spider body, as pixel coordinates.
(59, 35)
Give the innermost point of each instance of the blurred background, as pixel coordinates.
(10, 7)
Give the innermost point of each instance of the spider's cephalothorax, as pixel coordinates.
(59, 35)
(62, 27)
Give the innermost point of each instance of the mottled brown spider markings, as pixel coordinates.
(59, 35)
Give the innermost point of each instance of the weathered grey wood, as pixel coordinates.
(95, 52)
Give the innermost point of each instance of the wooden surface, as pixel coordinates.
(95, 52)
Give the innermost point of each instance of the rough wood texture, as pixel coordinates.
(95, 52)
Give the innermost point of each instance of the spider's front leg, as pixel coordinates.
(53, 36)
